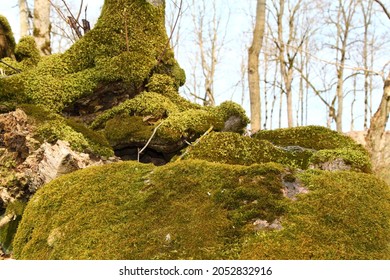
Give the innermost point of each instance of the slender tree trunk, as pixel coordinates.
(376, 133)
(42, 26)
(23, 18)
(253, 67)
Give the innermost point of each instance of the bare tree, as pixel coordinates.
(375, 137)
(289, 49)
(253, 66)
(343, 24)
(209, 41)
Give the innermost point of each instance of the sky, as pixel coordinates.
(237, 17)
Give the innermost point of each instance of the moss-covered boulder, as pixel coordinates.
(345, 215)
(326, 149)
(313, 137)
(201, 210)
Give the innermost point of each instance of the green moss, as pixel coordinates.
(229, 109)
(357, 160)
(27, 52)
(200, 210)
(104, 55)
(342, 217)
(232, 148)
(189, 124)
(312, 137)
(52, 127)
(8, 231)
(205, 212)
(9, 36)
(144, 104)
(127, 129)
(97, 142)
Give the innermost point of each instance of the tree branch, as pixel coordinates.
(383, 8)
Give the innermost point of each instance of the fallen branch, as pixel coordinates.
(6, 219)
(150, 139)
(195, 143)
(13, 68)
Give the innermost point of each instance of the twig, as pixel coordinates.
(171, 35)
(383, 8)
(13, 68)
(195, 143)
(150, 139)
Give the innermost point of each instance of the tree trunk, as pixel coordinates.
(253, 66)
(42, 26)
(23, 18)
(376, 133)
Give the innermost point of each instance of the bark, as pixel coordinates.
(23, 18)
(253, 67)
(376, 133)
(42, 26)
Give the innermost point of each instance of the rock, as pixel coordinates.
(337, 164)
(292, 187)
(26, 164)
(51, 161)
(264, 224)
(15, 134)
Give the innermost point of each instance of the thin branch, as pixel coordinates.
(195, 143)
(172, 31)
(383, 7)
(13, 68)
(150, 139)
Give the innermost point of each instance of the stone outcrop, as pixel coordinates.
(26, 164)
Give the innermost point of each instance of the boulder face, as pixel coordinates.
(195, 209)
(26, 164)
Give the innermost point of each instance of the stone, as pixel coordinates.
(337, 164)
(53, 160)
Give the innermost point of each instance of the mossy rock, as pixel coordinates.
(232, 148)
(312, 137)
(8, 231)
(355, 160)
(51, 127)
(341, 217)
(199, 210)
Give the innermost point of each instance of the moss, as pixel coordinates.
(97, 142)
(346, 215)
(127, 129)
(205, 212)
(357, 160)
(189, 125)
(144, 104)
(52, 127)
(9, 36)
(200, 210)
(103, 55)
(229, 109)
(27, 52)
(312, 137)
(232, 148)
(8, 232)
